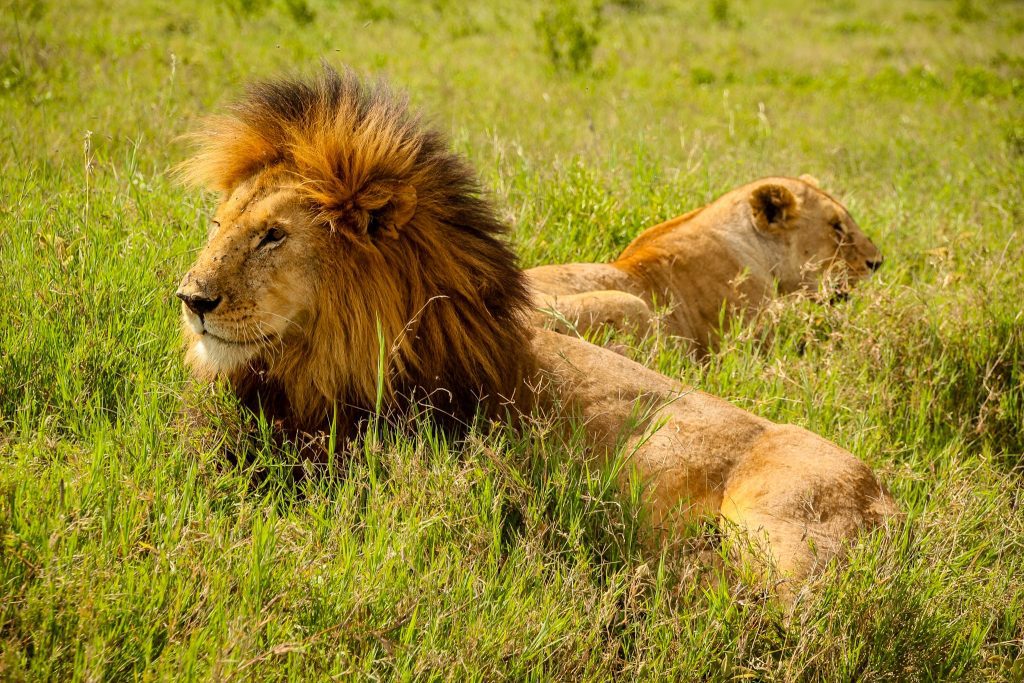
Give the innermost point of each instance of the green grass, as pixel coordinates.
(130, 549)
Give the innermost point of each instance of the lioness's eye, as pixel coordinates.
(272, 236)
(837, 226)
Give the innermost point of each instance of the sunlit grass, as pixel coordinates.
(132, 547)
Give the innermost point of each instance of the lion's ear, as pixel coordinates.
(389, 206)
(811, 180)
(773, 208)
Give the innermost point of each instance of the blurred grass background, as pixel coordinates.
(130, 551)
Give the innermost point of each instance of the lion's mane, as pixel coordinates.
(442, 295)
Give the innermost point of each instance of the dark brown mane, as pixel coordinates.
(441, 284)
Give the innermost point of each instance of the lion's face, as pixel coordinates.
(252, 288)
(820, 239)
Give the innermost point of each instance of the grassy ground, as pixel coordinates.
(130, 551)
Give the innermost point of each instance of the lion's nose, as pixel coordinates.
(875, 264)
(198, 304)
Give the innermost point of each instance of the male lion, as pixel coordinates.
(352, 253)
(775, 235)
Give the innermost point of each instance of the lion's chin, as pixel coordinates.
(214, 356)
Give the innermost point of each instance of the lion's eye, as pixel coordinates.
(273, 236)
(838, 227)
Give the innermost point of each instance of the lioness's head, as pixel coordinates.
(350, 249)
(819, 238)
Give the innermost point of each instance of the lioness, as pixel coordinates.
(353, 266)
(775, 235)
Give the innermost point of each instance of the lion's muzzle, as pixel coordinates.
(198, 296)
(200, 305)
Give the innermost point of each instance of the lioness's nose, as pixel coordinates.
(198, 304)
(875, 264)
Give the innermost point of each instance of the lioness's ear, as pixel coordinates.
(388, 204)
(773, 207)
(810, 180)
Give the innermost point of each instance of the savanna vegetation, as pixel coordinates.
(130, 548)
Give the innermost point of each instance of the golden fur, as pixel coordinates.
(388, 247)
(797, 496)
(772, 236)
(345, 230)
